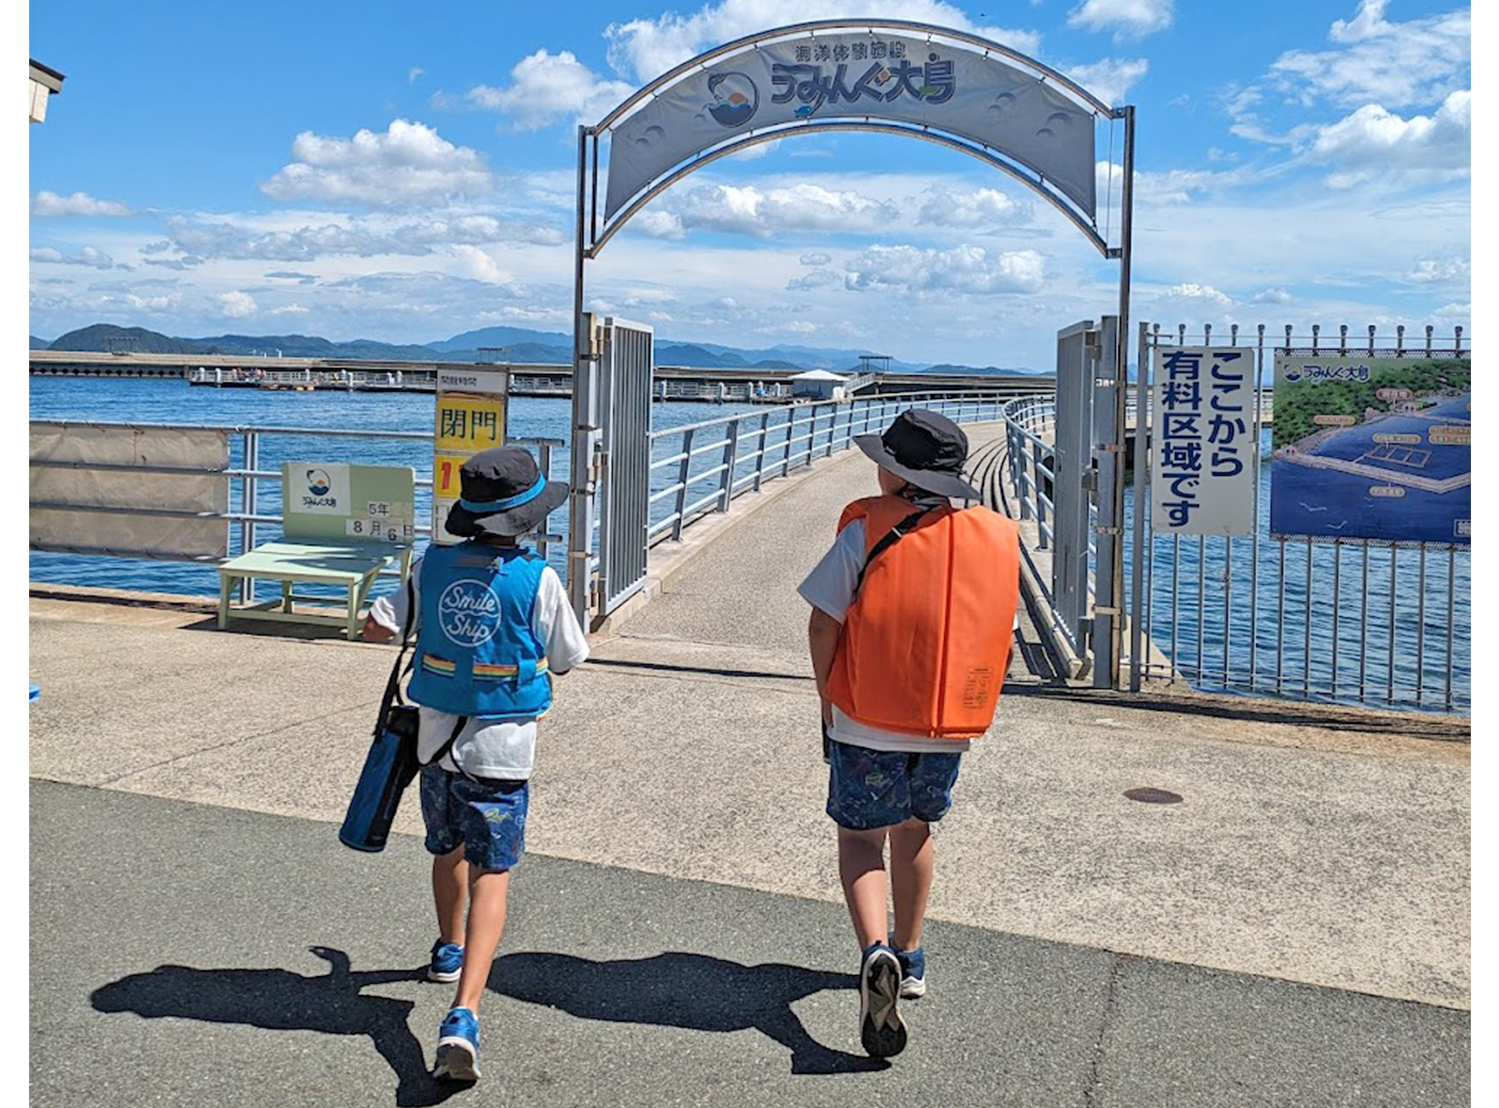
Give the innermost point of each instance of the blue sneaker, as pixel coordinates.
(880, 1028)
(447, 962)
(912, 972)
(458, 1046)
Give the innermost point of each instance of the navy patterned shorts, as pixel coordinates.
(878, 788)
(487, 820)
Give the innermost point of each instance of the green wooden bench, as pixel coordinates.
(342, 525)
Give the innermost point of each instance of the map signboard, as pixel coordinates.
(1204, 451)
(1372, 447)
(470, 418)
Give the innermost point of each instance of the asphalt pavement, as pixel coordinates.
(190, 954)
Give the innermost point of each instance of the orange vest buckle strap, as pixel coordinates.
(925, 642)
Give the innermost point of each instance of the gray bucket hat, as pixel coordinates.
(924, 449)
(503, 494)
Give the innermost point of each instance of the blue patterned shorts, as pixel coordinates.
(487, 820)
(878, 788)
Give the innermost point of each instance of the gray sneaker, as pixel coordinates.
(912, 972)
(880, 1028)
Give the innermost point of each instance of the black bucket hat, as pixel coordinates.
(503, 494)
(924, 449)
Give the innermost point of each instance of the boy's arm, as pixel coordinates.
(829, 589)
(387, 614)
(375, 631)
(557, 627)
(822, 642)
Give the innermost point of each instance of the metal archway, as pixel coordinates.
(969, 94)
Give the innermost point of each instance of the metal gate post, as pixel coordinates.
(1072, 476)
(1108, 448)
(587, 435)
(1138, 599)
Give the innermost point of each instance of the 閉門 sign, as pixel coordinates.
(470, 418)
(1203, 442)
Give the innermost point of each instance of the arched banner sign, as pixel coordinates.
(936, 84)
(945, 86)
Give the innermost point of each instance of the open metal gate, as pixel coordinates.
(1087, 486)
(611, 465)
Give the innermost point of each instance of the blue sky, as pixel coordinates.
(381, 171)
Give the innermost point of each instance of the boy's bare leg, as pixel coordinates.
(861, 868)
(450, 892)
(911, 862)
(486, 921)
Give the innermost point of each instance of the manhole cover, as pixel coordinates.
(1153, 796)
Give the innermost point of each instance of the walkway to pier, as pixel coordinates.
(1296, 931)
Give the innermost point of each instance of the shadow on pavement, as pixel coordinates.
(692, 991)
(280, 1000)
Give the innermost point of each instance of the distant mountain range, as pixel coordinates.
(506, 344)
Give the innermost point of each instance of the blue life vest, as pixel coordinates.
(476, 654)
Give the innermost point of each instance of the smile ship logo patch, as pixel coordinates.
(469, 612)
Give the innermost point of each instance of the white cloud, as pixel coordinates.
(1395, 64)
(153, 304)
(289, 309)
(356, 236)
(406, 163)
(481, 266)
(1272, 296)
(1368, 23)
(1373, 144)
(659, 224)
(814, 279)
(546, 87)
(1454, 314)
(413, 73)
(1193, 292)
(236, 305)
(1430, 270)
(1173, 186)
(1110, 79)
(1128, 18)
(748, 210)
(981, 209)
(94, 259)
(647, 48)
(79, 203)
(963, 269)
(817, 257)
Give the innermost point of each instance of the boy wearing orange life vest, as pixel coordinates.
(912, 617)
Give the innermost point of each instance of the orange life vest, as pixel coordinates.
(924, 644)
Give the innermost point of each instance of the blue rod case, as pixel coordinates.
(391, 763)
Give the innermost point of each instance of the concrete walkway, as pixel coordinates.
(1296, 931)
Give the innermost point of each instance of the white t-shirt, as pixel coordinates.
(494, 748)
(830, 587)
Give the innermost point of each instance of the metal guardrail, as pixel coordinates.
(721, 391)
(743, 452)
(1349, 621)
(245, 443)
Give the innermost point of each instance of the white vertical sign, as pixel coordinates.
(1204, 449)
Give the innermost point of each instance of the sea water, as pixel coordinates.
(149, 400)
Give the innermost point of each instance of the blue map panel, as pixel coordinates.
(1372, 449)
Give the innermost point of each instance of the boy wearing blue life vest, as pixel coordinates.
(492, 626)
(910, 635)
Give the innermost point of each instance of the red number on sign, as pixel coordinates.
(447, 475)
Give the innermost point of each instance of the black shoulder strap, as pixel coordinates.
(393, 683)
(447, 746)
(889, 539)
